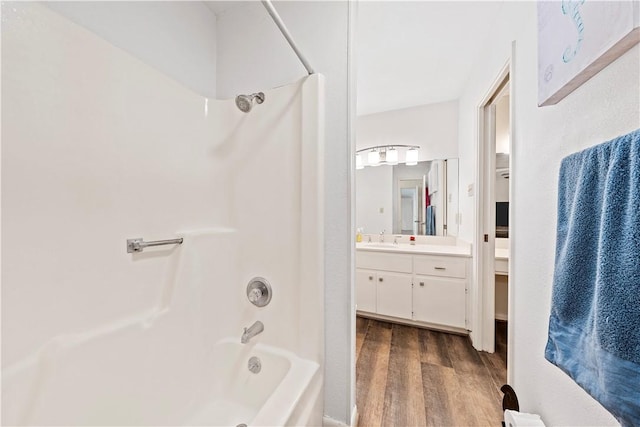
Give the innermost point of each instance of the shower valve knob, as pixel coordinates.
(259, 292)
(255, 295)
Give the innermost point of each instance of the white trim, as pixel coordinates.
(354, 416)
(511, 288)
(327, 421)
(483, 332)
(352, 10)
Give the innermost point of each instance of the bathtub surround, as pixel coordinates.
(246, 37)
(594, 329)
(98, 147)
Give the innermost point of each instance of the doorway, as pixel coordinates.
(494, 236)
(410, 220)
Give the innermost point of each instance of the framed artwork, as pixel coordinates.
(578, 38)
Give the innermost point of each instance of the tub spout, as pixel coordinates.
(251, 332)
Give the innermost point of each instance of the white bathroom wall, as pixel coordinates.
(178, 38)
(604, 107)
(374, 199)
(433, 127)
(253, 56)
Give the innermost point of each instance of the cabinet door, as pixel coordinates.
(394, 295)
(366, 291)
(439, 300)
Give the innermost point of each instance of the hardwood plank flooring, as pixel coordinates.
(371, 373)
(404, 398)
(407, 376)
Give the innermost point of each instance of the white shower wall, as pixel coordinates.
(98, 147)
(178, 38)
(253, 54)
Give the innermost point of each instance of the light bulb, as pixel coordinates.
(373, 158)
(392, 156)
(359, 164)
(412, 157)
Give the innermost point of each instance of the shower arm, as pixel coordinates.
(283, 29)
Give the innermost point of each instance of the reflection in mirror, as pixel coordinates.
(410, 200)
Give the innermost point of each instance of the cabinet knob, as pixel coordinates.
(380, 279)
(421, 283)
(370, 277)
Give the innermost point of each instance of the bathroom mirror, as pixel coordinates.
(410, 200)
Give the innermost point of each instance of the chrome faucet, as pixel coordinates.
(251, 331)
(382, 236)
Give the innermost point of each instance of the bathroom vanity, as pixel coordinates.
(421, 285)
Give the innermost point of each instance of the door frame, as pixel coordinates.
(483, 334)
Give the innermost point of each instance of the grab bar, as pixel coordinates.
(138, 245)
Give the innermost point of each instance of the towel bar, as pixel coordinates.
(138, 245)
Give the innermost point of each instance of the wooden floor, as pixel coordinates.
(407, 376)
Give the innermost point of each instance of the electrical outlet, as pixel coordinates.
(470, 190)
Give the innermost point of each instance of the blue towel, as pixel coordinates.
(431, 221)
(594, 327)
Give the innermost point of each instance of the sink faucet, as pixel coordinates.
(382, 236)
(251, 332)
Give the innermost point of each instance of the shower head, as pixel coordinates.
(245, 102)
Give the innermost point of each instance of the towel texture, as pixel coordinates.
(431, 221)
(594, 327)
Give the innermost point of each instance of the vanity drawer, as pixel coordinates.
(440, 266)
(384, 261)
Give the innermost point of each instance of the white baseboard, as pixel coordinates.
(327, 421)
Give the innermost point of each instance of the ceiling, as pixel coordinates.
(412, 53)
(415, 53)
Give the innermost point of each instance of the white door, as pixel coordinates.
(394, 295)
(439, 300)
(366, 291)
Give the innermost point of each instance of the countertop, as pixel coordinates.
(405, 248)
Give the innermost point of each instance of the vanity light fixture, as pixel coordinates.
(386, 155)
(412, 157)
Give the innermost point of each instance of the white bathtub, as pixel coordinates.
(213, 388)
(282, 393)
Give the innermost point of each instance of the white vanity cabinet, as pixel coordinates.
(429, 290)
(383, 283)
